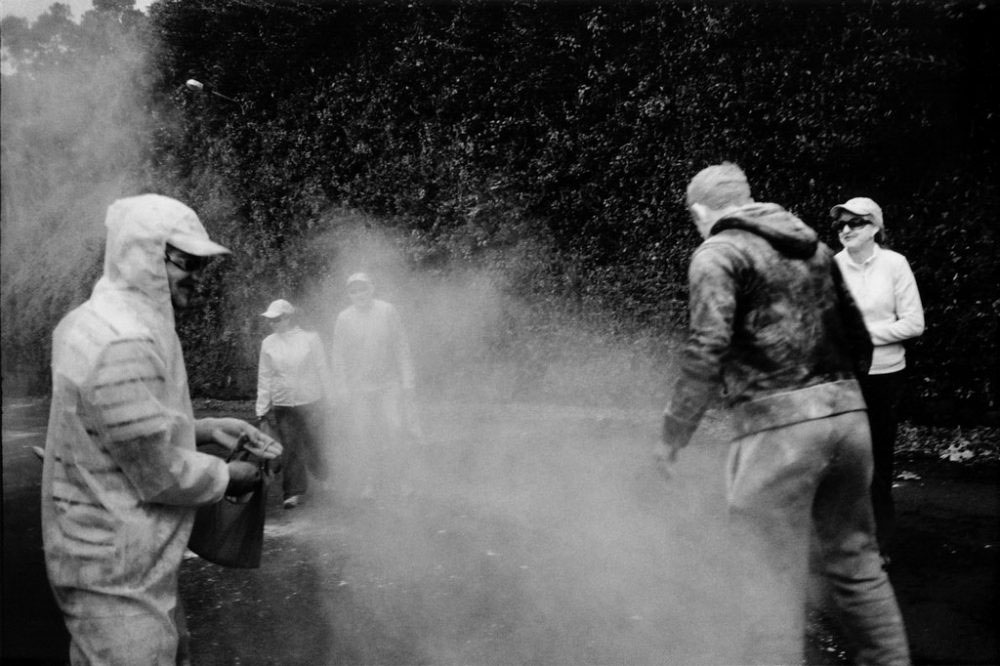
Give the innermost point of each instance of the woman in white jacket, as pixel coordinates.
(886, 292)
(294, 391)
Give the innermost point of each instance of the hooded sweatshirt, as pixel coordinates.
(772, 325)
(122, 477)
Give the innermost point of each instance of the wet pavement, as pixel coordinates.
(946, 560)
(542, 539)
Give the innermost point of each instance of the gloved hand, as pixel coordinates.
(243, 477)
(664, 457)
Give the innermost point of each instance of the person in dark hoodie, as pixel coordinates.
(774, 327)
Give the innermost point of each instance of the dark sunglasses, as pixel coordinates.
(853, 223)
(188, 263)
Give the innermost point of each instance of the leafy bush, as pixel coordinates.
(547, 146)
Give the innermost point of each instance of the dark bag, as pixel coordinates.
(231, 531)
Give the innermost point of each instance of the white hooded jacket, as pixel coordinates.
(122, 476)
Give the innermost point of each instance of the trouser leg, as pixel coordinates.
(882, 393)
(771, 482)
(364, 458)
(291, 430)
(183, 635)
(372, 443)
(845, 527)
(120, 639)
(395, 462)
(314, 440)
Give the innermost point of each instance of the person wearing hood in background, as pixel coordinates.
(375, 383)
(294, 391)
(122, 477)
(884, 288)
(773, 325)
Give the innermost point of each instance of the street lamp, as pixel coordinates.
(197, 86)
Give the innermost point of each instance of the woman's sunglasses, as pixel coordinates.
(853, 223)
(188, 263)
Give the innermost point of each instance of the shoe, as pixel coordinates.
(292, 502)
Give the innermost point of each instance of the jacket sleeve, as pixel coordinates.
(712, 284)
(128, 396)
(909, 321)
(265, 371)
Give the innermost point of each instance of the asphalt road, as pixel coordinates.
(538, 538)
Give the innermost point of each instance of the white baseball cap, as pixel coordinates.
(186, 231)
(359, 277)
(278, 308)
(861, 206)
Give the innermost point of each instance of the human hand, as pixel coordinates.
(243, 477)
(674, 436)
(664, 457)
(232, 433)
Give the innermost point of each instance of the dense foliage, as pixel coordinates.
(546, 145)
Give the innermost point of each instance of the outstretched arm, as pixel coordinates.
(232, 432)
(127, 402)
(713, 306)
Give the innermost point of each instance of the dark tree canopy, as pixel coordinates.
(472, 125)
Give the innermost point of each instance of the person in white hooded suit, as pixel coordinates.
(122, 477)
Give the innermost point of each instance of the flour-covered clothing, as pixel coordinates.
(773, 326)
(122, 478)
(374, 372)
(370, 349)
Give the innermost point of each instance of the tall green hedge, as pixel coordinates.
(472, 127)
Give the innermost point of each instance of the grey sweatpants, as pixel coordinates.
(783, 483)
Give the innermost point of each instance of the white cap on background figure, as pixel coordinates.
(358, 277)
(278, 308)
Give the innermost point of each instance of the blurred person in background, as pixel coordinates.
(375, 379)
(294, 396)
(885, 290)
(772, 324)
(122, 477)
